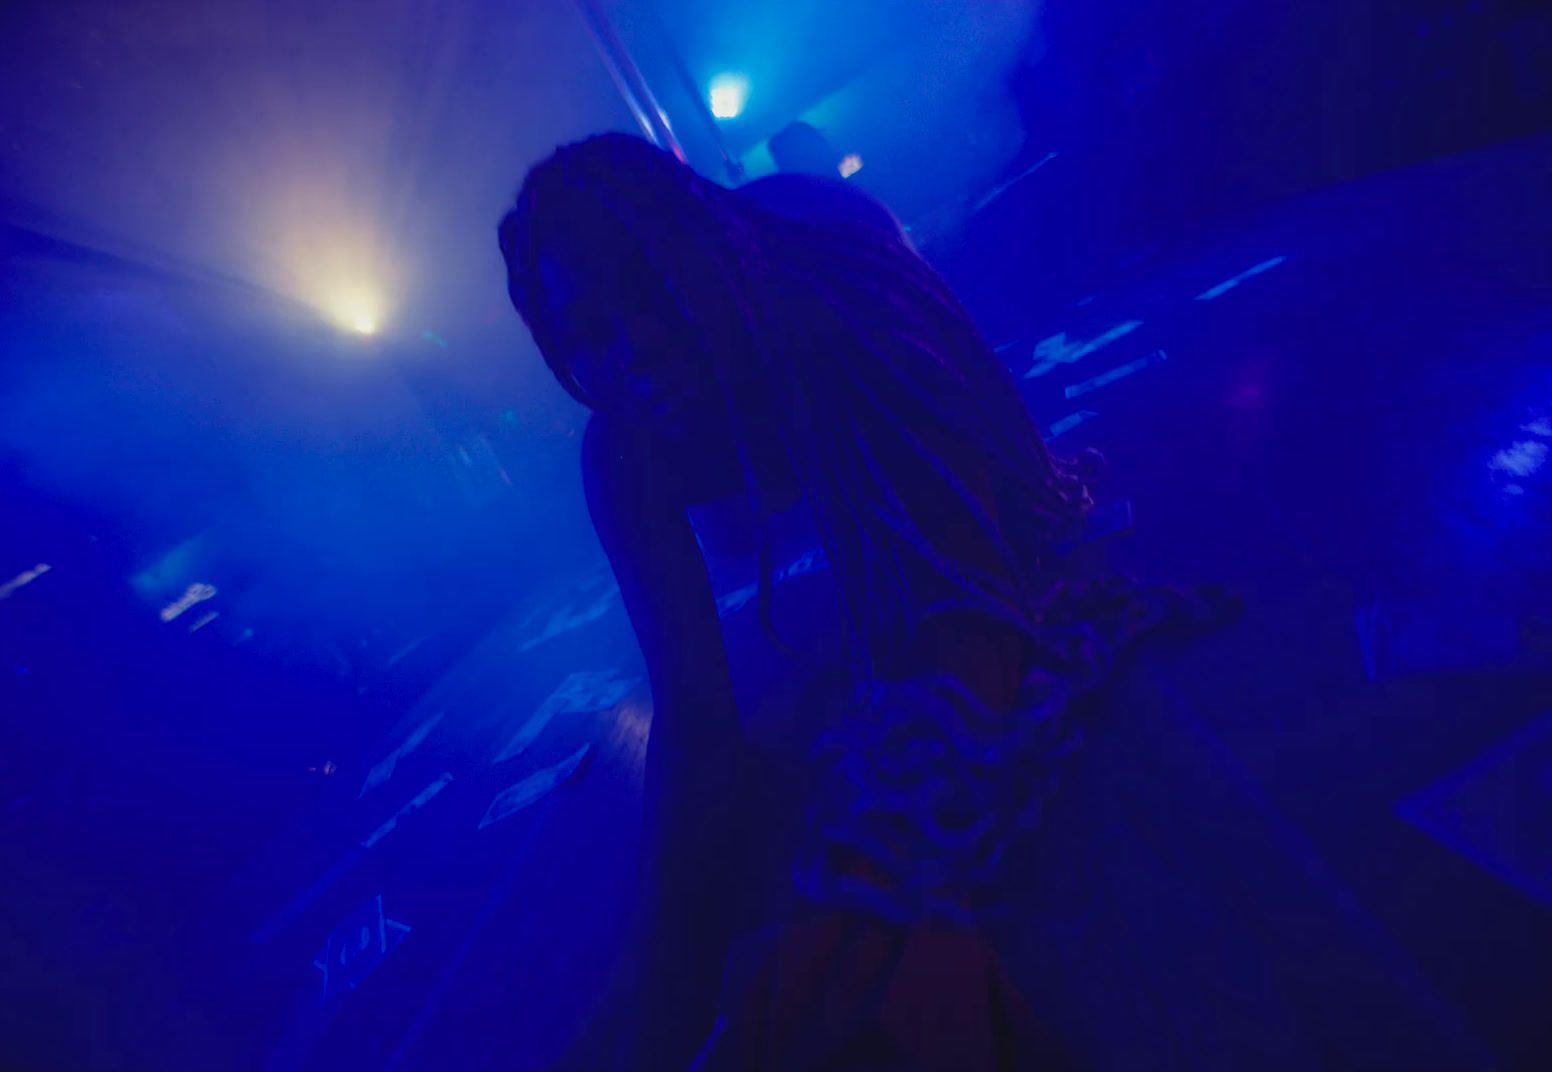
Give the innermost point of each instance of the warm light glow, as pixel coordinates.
(851, 163)
(357, 309)
(729, 94)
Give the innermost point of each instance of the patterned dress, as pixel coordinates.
(906, 799)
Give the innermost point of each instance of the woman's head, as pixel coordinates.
(661, 297)
(609, 253)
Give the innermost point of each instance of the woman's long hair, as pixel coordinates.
(845, 351)
(841, 352)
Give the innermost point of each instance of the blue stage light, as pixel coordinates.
(729, 94)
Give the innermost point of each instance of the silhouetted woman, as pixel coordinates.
(835, 528)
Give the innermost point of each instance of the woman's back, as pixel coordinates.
(831, 517)
(790, 661)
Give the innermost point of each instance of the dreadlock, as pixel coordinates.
(842, 352)
(846, 347)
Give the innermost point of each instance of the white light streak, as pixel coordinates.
(22, 579)
(194, 595)
(1106, 378)
(1229, 284)
(1059, 350)
(1520, 459)
(1069, 422)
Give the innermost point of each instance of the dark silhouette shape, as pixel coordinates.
(802, 149)
(773, 367)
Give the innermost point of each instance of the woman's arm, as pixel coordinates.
(694, 890)
(638, 503)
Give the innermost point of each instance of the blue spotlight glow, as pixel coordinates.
(729, 93)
